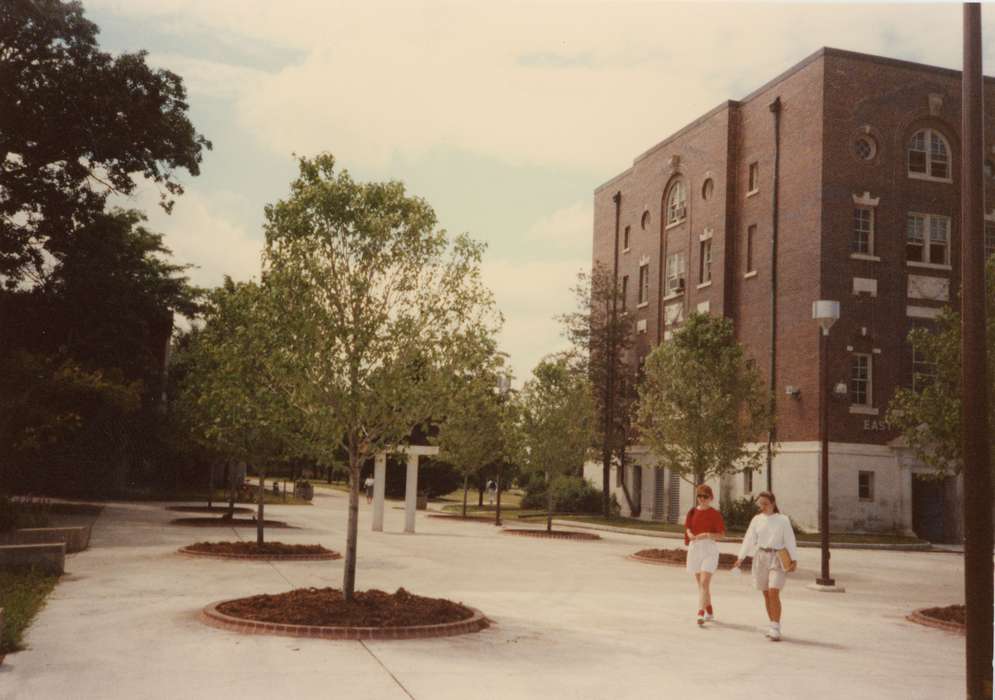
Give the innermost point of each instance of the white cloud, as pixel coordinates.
(531, 295)
(571, 226)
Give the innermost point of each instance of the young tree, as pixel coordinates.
(474, 433)
(929, 413)
(700, 403)
(556, 421)
(77, 125)
(601, 333)
(375, 305)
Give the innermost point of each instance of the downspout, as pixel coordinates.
(775, 108)
(606, 449)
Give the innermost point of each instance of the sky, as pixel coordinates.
(503, 116)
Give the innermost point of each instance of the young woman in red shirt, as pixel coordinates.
(703, 527)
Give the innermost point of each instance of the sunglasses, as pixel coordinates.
(705, 496)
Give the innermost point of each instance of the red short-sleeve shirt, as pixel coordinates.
(707, 520)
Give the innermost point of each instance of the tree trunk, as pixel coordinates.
(549, 503)
(259, 508)
(480, 495)
(606, 475)
(231, 490)
(210, 486)
(352, 532)
(466, 478)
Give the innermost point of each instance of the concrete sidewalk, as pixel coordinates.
(572, 620)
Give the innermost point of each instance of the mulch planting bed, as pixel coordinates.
(952, 618)
(225, 522)
(209, 509)
(473, 518)
(554, 535)
(679, 557)
(323, 612)
(267, 551)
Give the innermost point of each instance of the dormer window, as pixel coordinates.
(929, 156)
(677, 209)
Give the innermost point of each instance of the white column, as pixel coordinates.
(411, 494)
(379, 483)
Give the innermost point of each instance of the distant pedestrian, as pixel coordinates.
(491, 490)
(702, 528)
(771, 537)
(368, 485)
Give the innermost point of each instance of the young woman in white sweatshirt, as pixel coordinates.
(769, 531)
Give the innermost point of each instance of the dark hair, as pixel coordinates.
(770, 497)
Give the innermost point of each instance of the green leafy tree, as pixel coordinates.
(230, 398)
(601, 333)
(77, 124)
(556, 421)
(376, 306)
(701, 404)
(475, 432)
(928, 414)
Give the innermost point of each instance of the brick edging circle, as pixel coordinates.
(555, 535)
(321, 556)
(917, 617)
(469, 518)
(212, 616)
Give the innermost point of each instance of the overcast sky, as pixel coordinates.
(504, 116)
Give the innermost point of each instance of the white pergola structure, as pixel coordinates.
(411, 487)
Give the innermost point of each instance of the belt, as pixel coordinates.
(770, 549)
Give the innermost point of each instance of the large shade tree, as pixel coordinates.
(556, 421)
(376, 305)
(702, 406)
(77, 125)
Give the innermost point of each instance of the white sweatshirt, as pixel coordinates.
(769, 531)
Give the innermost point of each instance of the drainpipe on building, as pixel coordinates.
(606, 449)
(775, 108)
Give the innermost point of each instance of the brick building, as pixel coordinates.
(838, 180)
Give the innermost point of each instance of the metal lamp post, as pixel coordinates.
(826, 313)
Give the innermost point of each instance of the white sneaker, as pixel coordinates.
(774, 634)
(709, 617)
(701, 618)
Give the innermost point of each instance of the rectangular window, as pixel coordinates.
(644, 283)
(625, 238)
(865, 486)
(935, 250)
(625, 291)
(989, 239)
(748, 481)
(675, 273)
(860, 380)
(751, 236)
(863, 231)
(923, 371)
(754, 178)
(705, 262)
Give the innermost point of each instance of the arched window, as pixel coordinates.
(677, 209)
(929, 155)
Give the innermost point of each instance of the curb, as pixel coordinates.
(543, 534)
(322, 556)
(925, 547)
(920, 619)
(211, 616)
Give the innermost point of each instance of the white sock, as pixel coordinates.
(776, 625)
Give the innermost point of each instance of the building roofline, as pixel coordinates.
(820, 53)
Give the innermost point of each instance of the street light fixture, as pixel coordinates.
(826, 313)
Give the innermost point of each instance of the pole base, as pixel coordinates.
(826, 585)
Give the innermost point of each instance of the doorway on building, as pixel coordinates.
(928, 505)
(674, 502)
(659, 495)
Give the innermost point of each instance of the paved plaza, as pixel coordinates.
(571, 620)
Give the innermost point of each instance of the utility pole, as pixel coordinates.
(977, 475)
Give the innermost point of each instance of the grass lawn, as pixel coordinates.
(22, 593)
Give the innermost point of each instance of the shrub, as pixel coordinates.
(571, 494)
(738, 514)
(22, 512)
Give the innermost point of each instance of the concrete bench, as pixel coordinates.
(75, 538)
(49, 557)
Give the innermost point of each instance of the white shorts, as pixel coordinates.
(703, 557)
(767, 571)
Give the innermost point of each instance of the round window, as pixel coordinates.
(865, 148)
(645, 220)
(707, 189)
